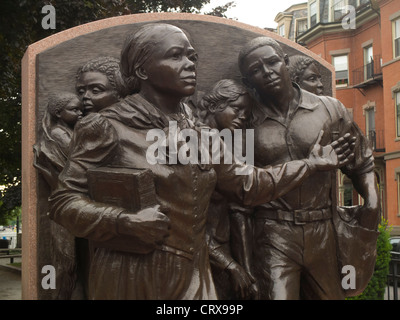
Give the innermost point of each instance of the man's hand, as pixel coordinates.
(334, 155)
(149, 225)
(243, 284)
(366, 215)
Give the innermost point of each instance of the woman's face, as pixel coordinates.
(311, 80)
(235, 115)
(171, 68)
(72, 112)
(95, 91)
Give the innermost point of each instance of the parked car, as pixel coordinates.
(395, 258)
(395, 242)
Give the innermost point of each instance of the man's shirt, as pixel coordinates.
(280, 140)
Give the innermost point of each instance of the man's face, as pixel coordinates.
(266, 71)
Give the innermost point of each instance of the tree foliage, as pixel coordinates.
(20, 26)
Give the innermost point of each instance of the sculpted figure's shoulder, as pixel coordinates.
(93, 134)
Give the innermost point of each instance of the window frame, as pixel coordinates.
(394, 38)
(280, 28)
(397, 112)
(397, 178)
(332, 11)
(340, 85)
(316, 13)
(367, 62)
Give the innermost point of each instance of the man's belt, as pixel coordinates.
(299, 217)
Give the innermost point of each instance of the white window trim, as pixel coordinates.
(296, 25)
(309, 12)
(331, 11)
(393, 35)
(396, 105)
(397, 179)
(348, 69)
(284, 29)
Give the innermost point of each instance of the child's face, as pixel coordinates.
(72, 112)
(235, 115)
(95, 91)
(311, 80)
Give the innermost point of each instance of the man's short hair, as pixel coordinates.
(255, 44)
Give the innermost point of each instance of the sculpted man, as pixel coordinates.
(295, 247)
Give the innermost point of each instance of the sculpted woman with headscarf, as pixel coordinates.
(159, 65)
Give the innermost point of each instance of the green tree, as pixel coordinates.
(20, 25)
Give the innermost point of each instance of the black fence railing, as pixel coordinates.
(369, 71)
(393, 278)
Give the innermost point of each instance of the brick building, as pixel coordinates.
(361, 38)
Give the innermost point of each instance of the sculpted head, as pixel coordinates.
(304, 71)
(65, 108)
(99, 83)
(159, 55)
(227, 105)
(264, 67)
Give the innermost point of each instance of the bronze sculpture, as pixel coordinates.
(63, 111)
(304, 71)
(51, 152)
(99, 83)
(158, 64)
(228, 105)
(295, 245)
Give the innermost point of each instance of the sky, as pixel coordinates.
(259, 13)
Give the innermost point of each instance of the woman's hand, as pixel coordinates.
(149, 225)
(334, 155)
(243, 284)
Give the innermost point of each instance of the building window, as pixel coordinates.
(282, 30)
(341, 70)
(368, 63)
(313, 14)
(396, 38)
(363, 2)
(397, 102)
(301, 26)
(370, 126)
(348, 193)
(338, 9)
(398, 190)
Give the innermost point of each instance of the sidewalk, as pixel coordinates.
(10, 281)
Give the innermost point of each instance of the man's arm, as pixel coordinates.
(262, 185)
(367, 214)
(361, 172)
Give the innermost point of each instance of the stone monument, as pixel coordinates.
(51, 65)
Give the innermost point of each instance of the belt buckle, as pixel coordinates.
(296, 220)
